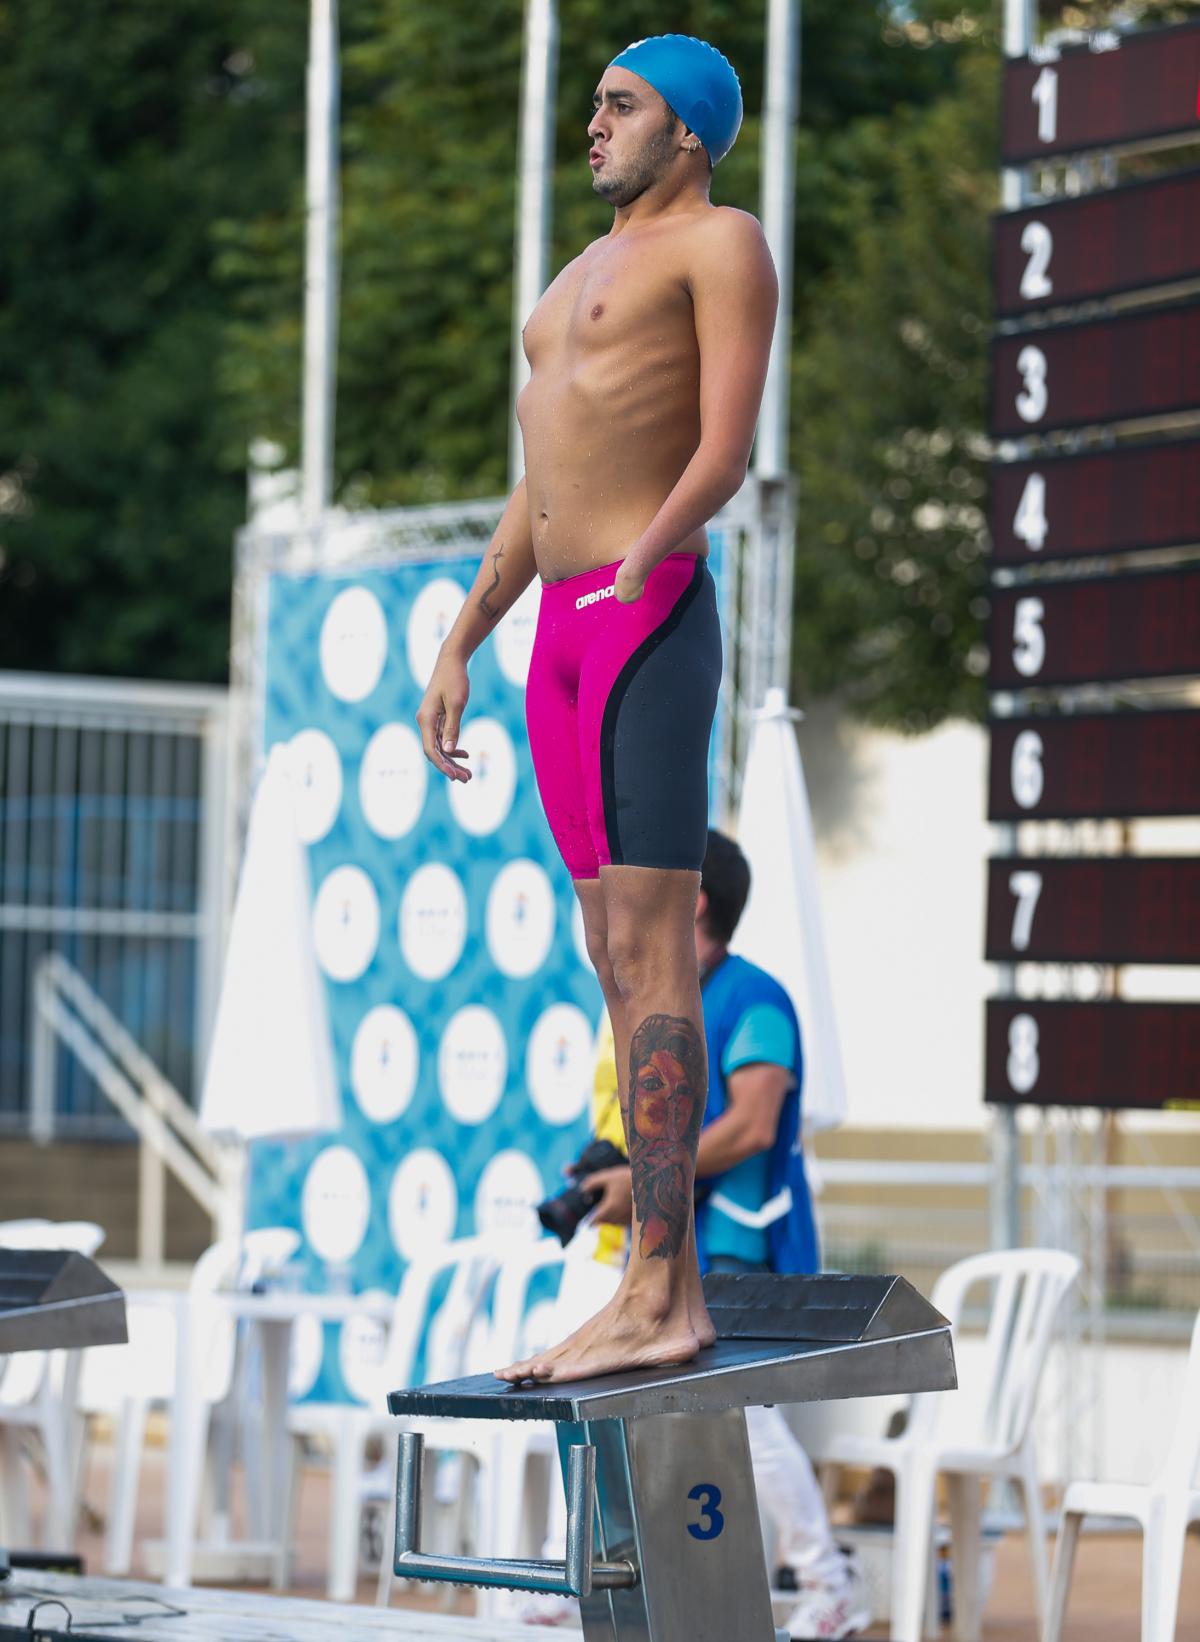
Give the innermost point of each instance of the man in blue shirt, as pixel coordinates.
(754, 1213)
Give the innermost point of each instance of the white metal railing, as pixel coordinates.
(65, 1008)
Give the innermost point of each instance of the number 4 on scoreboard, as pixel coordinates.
(1030, 524)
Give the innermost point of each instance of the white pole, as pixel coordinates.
(777, 206)
(539, 75)
(320, 261)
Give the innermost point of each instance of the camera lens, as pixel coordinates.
(562, 1214)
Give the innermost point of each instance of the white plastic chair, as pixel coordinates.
(1164, 1507)
(499, 1450)
(982, 1430)
(37, 1397)
(349, 1427)
(126, 1382)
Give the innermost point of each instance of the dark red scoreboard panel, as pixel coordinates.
(1074, 250)
(1094, 764)
(1092, 1054)
(1149, 86)
(1104, 628)
(1104, 910)
(1113, 501)
(1092, 371)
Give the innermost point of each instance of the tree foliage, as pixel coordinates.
(151, 303)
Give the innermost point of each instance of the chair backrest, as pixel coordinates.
(1028, 1287)
(506, 1339)
(473, 1262)
(1182, 1466)
(80, 1236)
(231, 1263)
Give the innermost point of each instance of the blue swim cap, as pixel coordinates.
(695, 81)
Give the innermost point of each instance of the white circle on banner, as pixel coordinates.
(559, 1063)
(506, 1199)
(362, 1351)
(472, 1064)
(433, 921)
(384, 1063)
(481, 804)
(316, 771)
(392, 781)
(514, 636)
(346, 923)
(430, 619)
(354, 644)
(422, 1204)
(336, 1203)
(520, 918)
(579, 935)
(307, 1354)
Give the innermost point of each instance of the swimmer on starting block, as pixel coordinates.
(648, 355)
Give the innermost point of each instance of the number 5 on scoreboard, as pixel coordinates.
(1029, 637)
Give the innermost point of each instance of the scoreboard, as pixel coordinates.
(1111, 1055)
(1072, 250)
(1077, 766)
(1116, 89)
(1123, 500)
(1095, 400)
(1091, 371)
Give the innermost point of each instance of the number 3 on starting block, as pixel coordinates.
(712, 1522)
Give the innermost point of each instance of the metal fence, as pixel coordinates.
(112, 822)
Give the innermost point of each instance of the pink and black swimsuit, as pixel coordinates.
(619, 703)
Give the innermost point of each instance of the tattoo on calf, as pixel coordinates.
(667, 1089)
(484, 599)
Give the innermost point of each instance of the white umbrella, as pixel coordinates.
(780, 929)
(270, 1068)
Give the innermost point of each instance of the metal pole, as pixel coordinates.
(539, 76)
(320, 261)
(1005, 1138)
(777, 206)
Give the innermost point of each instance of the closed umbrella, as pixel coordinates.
(781, 927)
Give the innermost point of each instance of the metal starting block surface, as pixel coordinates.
(52, 1299)
(663, 1536)
(779, 1340)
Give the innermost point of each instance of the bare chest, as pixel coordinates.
(611, 301)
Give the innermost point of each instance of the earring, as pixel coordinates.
(693, 146)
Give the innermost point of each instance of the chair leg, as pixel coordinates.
(915, 1479)
(387, 1573)
(1060, 1578)
(281, 1571)
(344, 1511)
(966, 1551)
(1162, 1569)
(128, 1439)
(14, 1491)
(1035, 1528)
(57, 1527)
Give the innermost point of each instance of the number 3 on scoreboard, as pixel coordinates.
(1034, 396)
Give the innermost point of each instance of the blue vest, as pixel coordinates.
(784, 1213)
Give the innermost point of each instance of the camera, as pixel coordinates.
(562, 1214)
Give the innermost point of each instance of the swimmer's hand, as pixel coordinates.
(440, 716)
(629, 584)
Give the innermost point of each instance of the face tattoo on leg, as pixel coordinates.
(666, 1084)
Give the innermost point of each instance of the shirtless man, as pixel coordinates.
(648, 355)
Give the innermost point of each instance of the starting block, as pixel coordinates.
(663, 1536)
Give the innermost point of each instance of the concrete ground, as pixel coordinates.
(1104, 1605)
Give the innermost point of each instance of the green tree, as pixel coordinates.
(125, 126)
(889, 411)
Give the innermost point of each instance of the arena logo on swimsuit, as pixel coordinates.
(595, 596)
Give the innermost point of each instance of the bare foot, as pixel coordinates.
(631, 1332)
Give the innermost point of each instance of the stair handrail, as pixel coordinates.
(170, 1137)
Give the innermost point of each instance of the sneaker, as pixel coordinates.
(824, 1614)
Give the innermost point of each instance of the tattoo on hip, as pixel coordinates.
(667, 1088)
